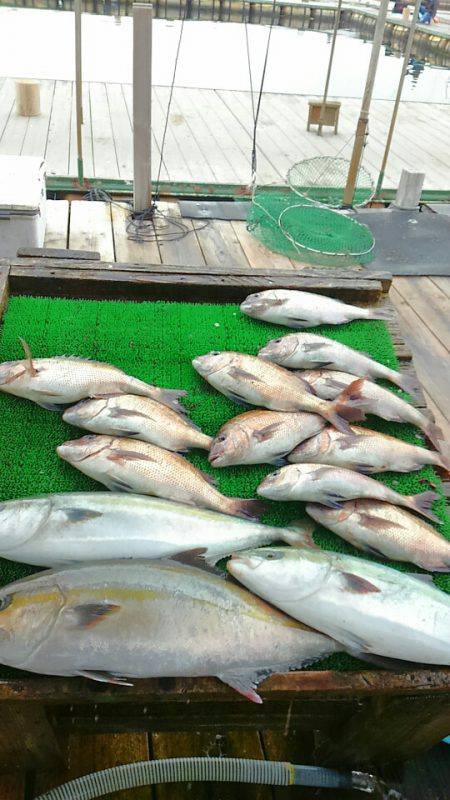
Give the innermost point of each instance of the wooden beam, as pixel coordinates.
(27, 740)
(142, 92)
(79, 89)
(4, 288)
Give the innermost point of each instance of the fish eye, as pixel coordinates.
(221, 438)
(276, 473)
(215, 353)
(5, 601)
(276, 341)
(274, 556)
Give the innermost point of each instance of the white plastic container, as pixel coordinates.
(22, 203)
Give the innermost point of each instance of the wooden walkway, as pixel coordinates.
(423, 304)
(424, 308)
(209, 134)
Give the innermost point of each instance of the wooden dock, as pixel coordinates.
(423, 305)
(209, 134)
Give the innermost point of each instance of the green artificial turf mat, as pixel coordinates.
(157, 342)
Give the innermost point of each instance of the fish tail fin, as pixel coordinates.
(422, 503)
(247, 509)
(299, 533)
(405, 382)
(379, 313)
(348, 406)
(171, 398)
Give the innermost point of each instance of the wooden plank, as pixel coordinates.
(184, 250)
(386, 731)
(176, 164)
(57, 227)
(121, 129)
(258, 255)
(429, 303)
(91, 229)
(219, 243)
(12, 787)
(241, 744)
(125, 248)
(7, 104)
(58, 141)
(277, 689)
(14, 133)
(443, 284)
(94, 752)
(57, 253)
(86, 132)
(4, 289)
(429, 353)
(205, 158)
(105, 157)
(27, 740)
(35, 140)
(295, 747)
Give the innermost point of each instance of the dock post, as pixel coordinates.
(365, 106)
(79, 90)
(337, 20)
(406, 56)
(409, 190)
(142, 94)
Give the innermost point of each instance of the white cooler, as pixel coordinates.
(22, 203)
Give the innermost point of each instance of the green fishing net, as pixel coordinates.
(307, 231)
(323, 179)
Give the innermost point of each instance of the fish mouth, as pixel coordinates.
(241, 559)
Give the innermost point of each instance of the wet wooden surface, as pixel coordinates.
(423, 306)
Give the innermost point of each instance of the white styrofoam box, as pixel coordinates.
(22, 203)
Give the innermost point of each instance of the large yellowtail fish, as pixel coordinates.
(59, 529)
(119, 620)
(376, 612)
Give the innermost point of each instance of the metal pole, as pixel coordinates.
(142, 93)
(365, 106)
(79, 90)
(330, 63)
(406, 57)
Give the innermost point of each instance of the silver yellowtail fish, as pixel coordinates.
(247, 379)
(328, 384)
(128, 465)
(365, 451)
(386, 530)
(262, 437)
(373, 610)
(58, 529)
(52, 382)
(331, 486)
(305, 350)
(140, 417)
(304, 309)
(118, 620)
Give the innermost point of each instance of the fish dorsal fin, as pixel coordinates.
(357, 585)
(28, 357)
(87, 615)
